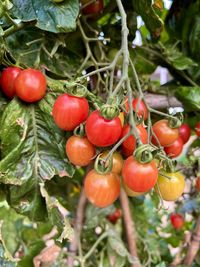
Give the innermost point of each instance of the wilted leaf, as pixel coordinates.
(50, 16)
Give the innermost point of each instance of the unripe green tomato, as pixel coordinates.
(111, 55)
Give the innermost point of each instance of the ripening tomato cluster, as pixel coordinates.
(29, 84)
(103, 188)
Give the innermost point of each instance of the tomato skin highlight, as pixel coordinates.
(175, 149)
(129, 145)
(30, 85)
(139, 177)
(102, 132)
(170, 188)
(177, 221)
(8, 77)
(102, 189)
(117, 161)
(197, 129)
(79, 150)
(70, 111)
(184, 132)
(164, 133)
(93, 8)
(139, 107)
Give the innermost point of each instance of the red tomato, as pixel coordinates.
(102, 132)
(177, 220)
(70, 111)
(197, 129)
(164, 133)
(175, 149)
(30, 85)
(79, 150)
(139, 107)
(93, 8)
(139, 177)
(113, 217)
(184, 132)
(8, 77)
(198, 183)
(128, 146)
(102, 189)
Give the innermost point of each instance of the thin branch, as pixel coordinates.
(129, 227)
(194, 245)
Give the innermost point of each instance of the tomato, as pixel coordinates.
(102, 132)
(128, 146)
(139, 177)
(131, 193)
(139, 107)
(177, 220)
(197, 129)
(170, 185)
(198, 183)
(102, 189)
(184, 132)
(79, 150)
(164, 133)
(113, 217)
(121, 117)
(93, 8)
(8, 77)
(70, 111)
(117, 161)
(30, 85)
(175, 149)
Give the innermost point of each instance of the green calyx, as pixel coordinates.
(176, 121)
(109, 112)
(143, 153)
(80, 130)
(101, 166)
(76, 89)
(169, 165)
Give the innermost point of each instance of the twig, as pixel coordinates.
(193, 246)
(77, 226)
(129, 227)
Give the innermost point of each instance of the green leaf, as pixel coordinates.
(32, 48)
(33, 151)
(189, 96)
(50, 16)
(3, 261)
(57, 215)
(152, 21)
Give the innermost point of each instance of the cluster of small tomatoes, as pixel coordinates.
(102, 188)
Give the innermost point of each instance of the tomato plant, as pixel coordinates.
(184, 132)
(94, 8)
(30, 85)
(7, 79)
(139, 177)
(170, 185)
(128, 146)
(102, 132)
(117, 161)
(177, 221)
(175, 149)
(164, 133)
(198, 183)
(102, 189)
(69, 111)
(197, 129)
(114, 217)
(79, 150)
(139, 107)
